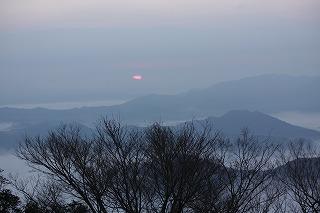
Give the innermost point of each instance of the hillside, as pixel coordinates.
(230, 124)
(259, 124)
(266, 93)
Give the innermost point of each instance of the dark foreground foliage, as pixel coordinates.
(163, 169)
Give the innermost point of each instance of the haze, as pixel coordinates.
(80, 50)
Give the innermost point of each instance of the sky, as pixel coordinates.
(88, 50)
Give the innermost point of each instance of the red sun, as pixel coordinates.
(137, 77)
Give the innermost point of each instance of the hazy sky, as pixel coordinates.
(72, 50)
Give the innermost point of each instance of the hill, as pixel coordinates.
(230, 124)
(266, 93)
(259, 124)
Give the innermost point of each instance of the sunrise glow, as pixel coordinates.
(137, 77)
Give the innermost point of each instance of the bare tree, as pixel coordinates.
(43, 195)
(158, 169)
(244, 181)
(182, 163)
(123, 149)
(70, 160)
(300, 173)
(105, 171)
(248, 175)
(8, 201)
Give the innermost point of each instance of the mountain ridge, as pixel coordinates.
(230, 124)
(265, 93)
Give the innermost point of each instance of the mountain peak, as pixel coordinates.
(261, 124)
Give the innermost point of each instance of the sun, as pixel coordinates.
(137, 77)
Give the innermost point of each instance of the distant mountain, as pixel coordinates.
(296, 164)
(10, 139)
(266, 93)
(230, 124)
(259, 124)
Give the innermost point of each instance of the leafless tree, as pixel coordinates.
(158, 169)
(245, 179)
(123, 150)
(8, 201)
(249, 175)
(41, 195)
(70, 160)
(182, 163)
(300, 173)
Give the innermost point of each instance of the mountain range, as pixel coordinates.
(230, 124)
(230, 106)
(266, 93)
(258, 124)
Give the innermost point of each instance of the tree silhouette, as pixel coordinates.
(8, 201)
(163, 169)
